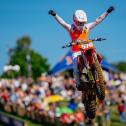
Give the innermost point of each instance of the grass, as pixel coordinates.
(115, 118)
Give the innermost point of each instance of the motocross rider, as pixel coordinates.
(79, 31)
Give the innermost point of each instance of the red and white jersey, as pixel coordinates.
(76, 34)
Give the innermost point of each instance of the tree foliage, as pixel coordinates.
(18, 56)
(121, 66)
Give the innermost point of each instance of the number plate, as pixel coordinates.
(87, 46)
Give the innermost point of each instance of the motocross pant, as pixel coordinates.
(75, 69)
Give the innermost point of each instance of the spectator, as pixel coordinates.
(121, 110)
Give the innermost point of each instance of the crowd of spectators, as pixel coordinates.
(29, 98)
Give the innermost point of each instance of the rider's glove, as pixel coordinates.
(110, 9)
(52, 12)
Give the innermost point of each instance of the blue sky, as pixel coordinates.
(30, 17)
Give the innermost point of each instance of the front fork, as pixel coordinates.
(85, 68)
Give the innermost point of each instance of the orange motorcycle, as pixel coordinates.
(92, 82)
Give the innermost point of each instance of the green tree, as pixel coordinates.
(121, 66)
(18, 56)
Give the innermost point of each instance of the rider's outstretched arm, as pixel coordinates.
(100, 18)
(60, 20)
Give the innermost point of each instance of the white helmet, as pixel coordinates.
(80, 18)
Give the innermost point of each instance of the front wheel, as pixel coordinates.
(89, 100)
(90, 108)
(100, 86)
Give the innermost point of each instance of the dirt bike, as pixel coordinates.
(92, 82)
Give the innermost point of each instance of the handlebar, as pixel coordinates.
(98, 39)
(86, 41)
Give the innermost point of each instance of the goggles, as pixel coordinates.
(80, 23)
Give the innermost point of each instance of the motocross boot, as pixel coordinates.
(77, 80)
(80, 85)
